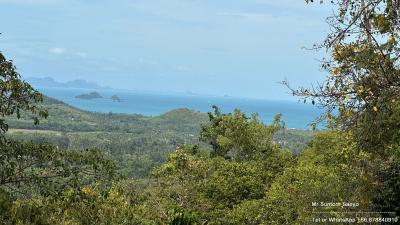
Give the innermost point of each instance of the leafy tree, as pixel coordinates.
(32, 168)
(22, 164)
(87, 205)
(179, 218)
(328, 171)
(363, 85)
(28, 169)
(241, 168)
(234, 135)
(16, 95)
(6, 202)
(387, 196)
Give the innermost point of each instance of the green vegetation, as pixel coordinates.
(138, 143)
(295, 140)
(240, 171)
(91, 95)
(27, 169)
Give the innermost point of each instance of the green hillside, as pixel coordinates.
(136, 142)
(65, 118)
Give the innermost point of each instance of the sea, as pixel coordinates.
(295, 114)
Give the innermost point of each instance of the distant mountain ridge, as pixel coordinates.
(50, 82)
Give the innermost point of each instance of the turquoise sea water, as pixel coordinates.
(295, 114)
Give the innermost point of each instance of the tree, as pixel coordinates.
(213, 187)
(16, 96)
(92, 204)
(361, 93)
(41, 170)
(364, 75)
(387, 197)
(234, 135)
(27, 168)
(328, 171)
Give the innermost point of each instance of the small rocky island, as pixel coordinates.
(115, 98)
(91, 95)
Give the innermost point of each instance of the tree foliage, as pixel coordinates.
(363, 85)
(234, 135)
(16, 95)
(331, 170)
(27, 168)
(240, 169)
(361, 92)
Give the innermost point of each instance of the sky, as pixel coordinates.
(241, 48)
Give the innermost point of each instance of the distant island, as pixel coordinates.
(50, 82)
(115, 98)
(91, 95)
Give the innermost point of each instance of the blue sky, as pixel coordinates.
(237, 47)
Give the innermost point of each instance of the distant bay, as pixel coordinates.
(295, 114)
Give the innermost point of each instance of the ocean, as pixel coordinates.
(295, 114)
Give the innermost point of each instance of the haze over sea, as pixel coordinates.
(295, 114)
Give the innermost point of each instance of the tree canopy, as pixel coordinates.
(16, 95)
(234, 135)
(363, 85)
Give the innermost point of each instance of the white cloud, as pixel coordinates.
(57, 50)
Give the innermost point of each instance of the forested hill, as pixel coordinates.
(137, 142)
(65, 118)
